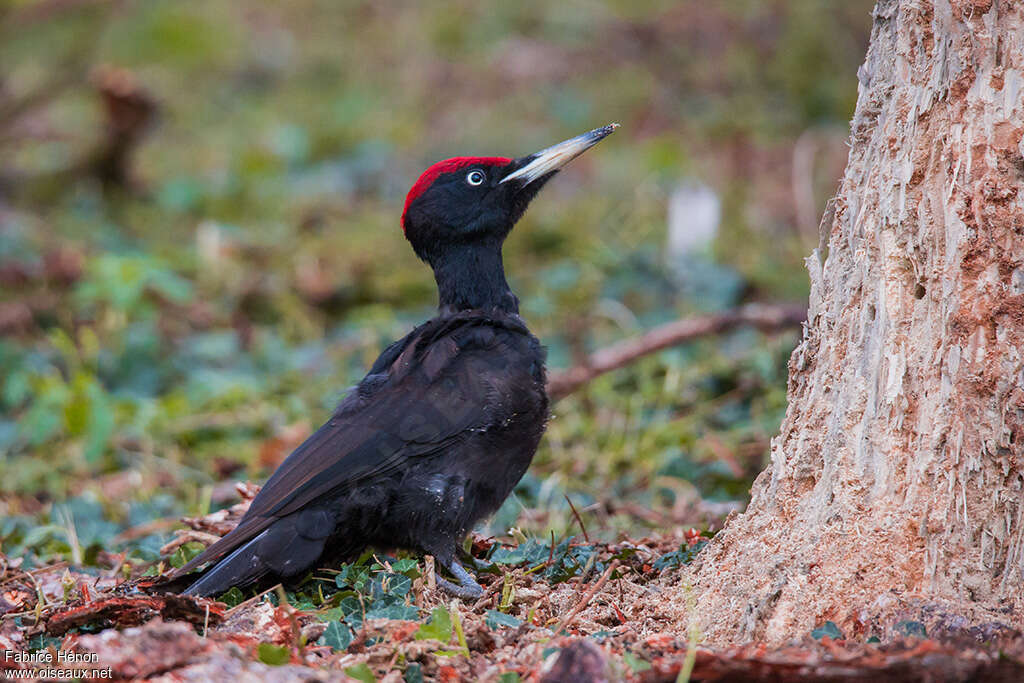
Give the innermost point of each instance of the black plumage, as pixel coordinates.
(446, 422)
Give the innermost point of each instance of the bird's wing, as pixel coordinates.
(434, 390)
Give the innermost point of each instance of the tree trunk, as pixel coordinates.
(896, 489)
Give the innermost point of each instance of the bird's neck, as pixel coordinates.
(471, 276)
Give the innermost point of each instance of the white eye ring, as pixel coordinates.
(475, 177)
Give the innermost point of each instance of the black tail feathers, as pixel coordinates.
(286, 549)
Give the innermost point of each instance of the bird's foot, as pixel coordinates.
(467, 588)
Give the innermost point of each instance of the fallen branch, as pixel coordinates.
(763, 317)
(122, 611)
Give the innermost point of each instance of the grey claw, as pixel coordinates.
(467, 587)
(471, 592)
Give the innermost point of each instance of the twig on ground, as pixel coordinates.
(763, 317)
(56, 566)
(488, 594)
(184, 536)
(585, 600)
(250, 601)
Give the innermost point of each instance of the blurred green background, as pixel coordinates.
(200, 245)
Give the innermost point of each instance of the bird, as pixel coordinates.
(445, 423)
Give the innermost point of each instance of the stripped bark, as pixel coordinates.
(896, 488)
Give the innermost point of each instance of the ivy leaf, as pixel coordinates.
(338, 636)
(438, 628)
(911, 629)
(508, 556)
(624, 554)
(413, 673)
(827, 629)
(407, 566)
(352, 612)
(495, 619)
(602, 634)
(678, 558)
(42, 641)
(233, 597)
(400, 612)
(350, 605)
(389, 584)
(531, 552)
(185, 553)
(352, 575)
(302, 601)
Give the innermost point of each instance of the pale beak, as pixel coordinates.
(555, 157)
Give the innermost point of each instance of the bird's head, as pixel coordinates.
(475, 201)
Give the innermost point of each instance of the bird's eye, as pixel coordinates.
(475, 177)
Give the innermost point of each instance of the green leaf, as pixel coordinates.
(351, 612)
(495, 619)
(677, 558)
(100, 426)
(42, 641)
(16, 388)
(531, 552)
(635, 664)
(407, 566)
(354, 576)
(827, 629)
(38, 535)
(413, 673)
(400, 612)
(185, 553)
(911, 628)
(275, 655)
(302, 601)
(509, 677)
(386, 583)
(438, 628)
(233, 597)
(178, 559)
(89, 414)
(338, 635)
(361, 672)
(508, 556)
(171, 285)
